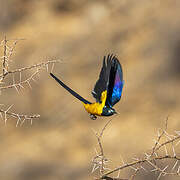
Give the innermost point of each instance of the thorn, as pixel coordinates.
(153, 170)
(20, 85)
(19, 119)
(34, 80)
(158, 132)
(165, 168)
(5, 117)
(1, 115)
(31, 121)
(155, 154)
(93, 169)
(147, 155)
(118, 175)
(9, 107)
(144, 169)
(29, 84)
(22, 122)
(165, 150)
(136, 159)
(178, 170)
(20, 78)
(150, 163)
(168, 135)
(164, 174)
(174, 165)
(122, 159)
(174, 153)
(177, 143)
(52, 67)
(16, 88)
(13, 79)
(133, 168)
(159, 176)
(96, 151)
(47, 67)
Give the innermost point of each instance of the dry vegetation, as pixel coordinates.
(154, 161)
(60, 144)
(164, 148)
(8, 48)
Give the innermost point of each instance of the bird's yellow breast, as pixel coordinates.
(97, 108)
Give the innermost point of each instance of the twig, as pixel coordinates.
(21, 83)
(43, 64)
(8, 50)
(4, 58)
(151, 158)
(142, 161)
(103, 129)
(160, 136)
(100, 160)
(17, 116)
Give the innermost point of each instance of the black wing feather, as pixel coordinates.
(116, 83)
(102, 83)
(110, 79)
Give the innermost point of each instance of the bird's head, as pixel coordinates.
(107, 111)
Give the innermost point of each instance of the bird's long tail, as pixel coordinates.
(70, 90)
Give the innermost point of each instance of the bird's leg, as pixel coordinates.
(93, 117)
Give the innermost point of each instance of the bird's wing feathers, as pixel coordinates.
(116, 83)
(110, 79)
(102, 83)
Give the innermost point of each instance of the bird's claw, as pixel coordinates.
(93, 117)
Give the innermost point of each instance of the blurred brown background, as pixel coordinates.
(145, 35)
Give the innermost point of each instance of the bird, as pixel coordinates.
(107, 90)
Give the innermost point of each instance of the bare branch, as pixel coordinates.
(20, 83)
(149, 158)
(4, 70)
(8, 46)
(19, 117)
(160, 136)
(39, 65)
(99, 161)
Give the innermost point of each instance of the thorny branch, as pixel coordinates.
(40, 65)
(99, 161)
(150, 159)
(8, 46)
(5, 114)
(141, 161)
(159, 137)
(20, 83)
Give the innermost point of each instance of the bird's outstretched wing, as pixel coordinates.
(116, 82)
(70, 90)
(102, 83)
(110, 79)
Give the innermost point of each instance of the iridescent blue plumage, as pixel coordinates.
(118, 86)
(115, 83)
(110, 80)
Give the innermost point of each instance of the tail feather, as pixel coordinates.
(70, 90)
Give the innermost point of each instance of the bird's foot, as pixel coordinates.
(93, 117)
